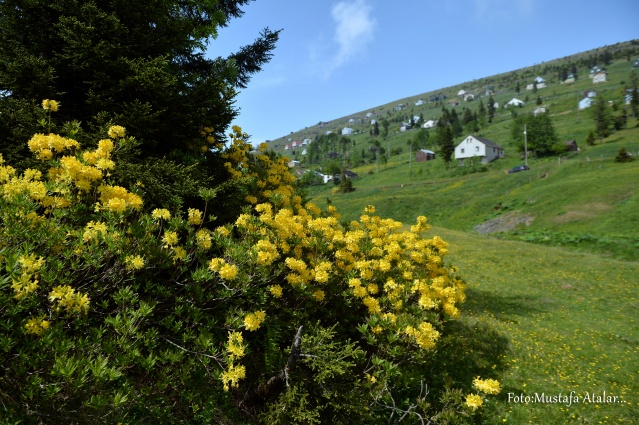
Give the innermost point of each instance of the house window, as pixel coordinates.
(494, 150)
(476, 148)
(462, 150)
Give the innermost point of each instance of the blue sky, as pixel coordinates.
(335, 58)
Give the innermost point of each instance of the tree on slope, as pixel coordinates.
(139, 64)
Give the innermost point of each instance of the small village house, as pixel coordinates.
(424, 155)
(478, 147)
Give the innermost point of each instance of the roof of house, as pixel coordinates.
(487, 142)
(427, 151)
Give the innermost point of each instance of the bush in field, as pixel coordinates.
(114, 315)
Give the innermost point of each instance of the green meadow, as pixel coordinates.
(569, 321)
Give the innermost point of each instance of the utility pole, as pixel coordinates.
(525, 146)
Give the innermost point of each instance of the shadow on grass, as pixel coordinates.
(505, 308)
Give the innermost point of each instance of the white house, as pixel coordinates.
(479, 147)
(515, 102)
(430, 124)
(328, 132)
(416, 119)
(532, 86)
(369, 114)
(461, 92)
(468, 97)
(585, 103)
(293, 164)
(373, 122)
(539, 80)
(540, 110)
(304, 152)
(306, 142)
(347, 131)
(352, 120)
(419, 102)
(599, 77)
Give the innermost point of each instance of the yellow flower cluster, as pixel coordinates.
(487, 386)
(271, 179)
(161, 213)
(195, 217)
(474, 401)
(170, 238)
(425, 335)
(235, 346)
(231, 377)
(44, 146)
(203, 239)
(134, 262)
(27, 282)
(253, 321)
(36, 326)
(50, 105)
(65, 297)
(117, 132)
(94, 230)
(118, 199)
(225, 270)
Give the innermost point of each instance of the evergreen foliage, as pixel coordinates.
(541, 135)
(138, 63)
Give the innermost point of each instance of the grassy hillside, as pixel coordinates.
(581, 200)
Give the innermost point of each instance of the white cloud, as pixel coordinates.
(354, 31)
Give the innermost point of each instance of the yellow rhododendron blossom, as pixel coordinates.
(134, 262)
(319, 295)
(116, 132)
(487, 386)
(275, 290)
(228, 272)
(203, 239)
(195, 217)
(36, 326)
(231, 377)
(179, 253)
(474, 401)
(170, 238)
(235, 346)
(161, 213)
(65, 297)
(253, 321)
(50, 105)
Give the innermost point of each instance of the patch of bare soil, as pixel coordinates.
(504, 223)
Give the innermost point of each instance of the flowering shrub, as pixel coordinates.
(286, 315)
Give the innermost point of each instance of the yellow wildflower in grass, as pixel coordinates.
(474, 401)
(195, 217)
(50, 105)
(203, 239)
(161, 213)
(228, 272)
(170, 238)
(134, 262)
(253, 321)
(231, 377)
(116, 132)
(275, 290)
(69, 299)
(36, 326)
(370, 209)
(319, 295)
(487, 386)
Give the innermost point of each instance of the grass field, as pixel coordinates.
(571, 322)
